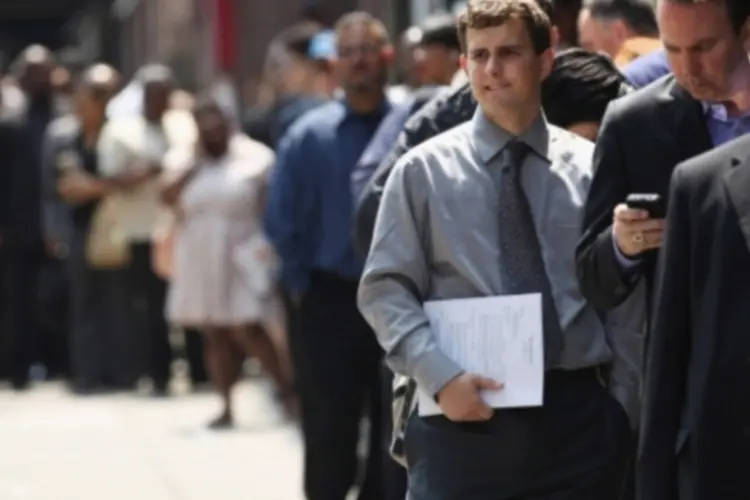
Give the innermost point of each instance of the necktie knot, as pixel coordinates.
(514, 153)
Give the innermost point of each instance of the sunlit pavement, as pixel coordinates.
(54, 446)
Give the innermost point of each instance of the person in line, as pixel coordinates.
(695, 439)
(26, 252)
(130, 152)
(617, 26)
(337, 359)
(221, 283)
(704, 103)
(448, 109)
(102, 351)
(482, 210)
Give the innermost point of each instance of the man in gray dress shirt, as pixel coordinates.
(447, 230)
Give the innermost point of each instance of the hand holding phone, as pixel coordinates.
(639, 223)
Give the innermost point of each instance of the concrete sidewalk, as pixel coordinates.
(54, 446)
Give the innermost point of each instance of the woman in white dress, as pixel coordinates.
(222, 282)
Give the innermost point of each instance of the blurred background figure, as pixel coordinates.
(222, 281)
(101, 348)
(27, 254)
(297, 79)
(131, 152)
(611, 26)
(437, 53)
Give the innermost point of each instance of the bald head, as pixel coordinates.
(33, 68)
(100, 79)
(95, 86)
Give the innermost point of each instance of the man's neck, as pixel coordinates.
(515, 124)
(737, 102)
(91, 132)
(365, 103)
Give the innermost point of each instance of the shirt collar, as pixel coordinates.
(489, 139)
(379, 113)
(717, 111)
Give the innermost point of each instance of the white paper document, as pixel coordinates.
(498, 337)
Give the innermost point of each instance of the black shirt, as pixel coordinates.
(81, 214)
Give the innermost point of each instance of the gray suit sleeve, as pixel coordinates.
(396, 279)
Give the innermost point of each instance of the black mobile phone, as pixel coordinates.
(650, 202)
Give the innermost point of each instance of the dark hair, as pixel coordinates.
(737, 10)
(362, 17)
(481, 14)
(580, 87)
(440, 29)
(638, 15)
(548, 7)
(297, 38)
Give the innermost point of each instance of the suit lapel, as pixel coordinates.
(737, 181)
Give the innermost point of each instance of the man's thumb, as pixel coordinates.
(486, 383)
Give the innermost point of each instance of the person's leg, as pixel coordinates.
(194, 353)
(86, 334)
(20, 280)
(160, 349)
(256, 342)
(373, 486)
(332, 397)
(221, 365)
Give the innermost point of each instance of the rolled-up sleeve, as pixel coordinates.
(396, 279)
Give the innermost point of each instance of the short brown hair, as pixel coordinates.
(480, 14)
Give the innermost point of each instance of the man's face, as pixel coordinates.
(436, 64)
(598, 36)
(91, 104)
(703, 50)
(37, 79)
(156, 100)
(362, 64)
(504, 70)
(213, 132)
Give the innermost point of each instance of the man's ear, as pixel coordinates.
(745, 35)
(554, 36)
(462, 63)
(548, 61)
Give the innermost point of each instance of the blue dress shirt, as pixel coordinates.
(310, 201)
(379, 147)
(647, 69)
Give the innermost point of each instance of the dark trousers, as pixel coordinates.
(147, 293)
(338, 371)
(574, 447)
(394, 474)
(102, 348)
(20, 271)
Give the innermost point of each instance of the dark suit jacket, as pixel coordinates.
(10, 151)
(643, 137)
(696, 419)
(450, 108)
